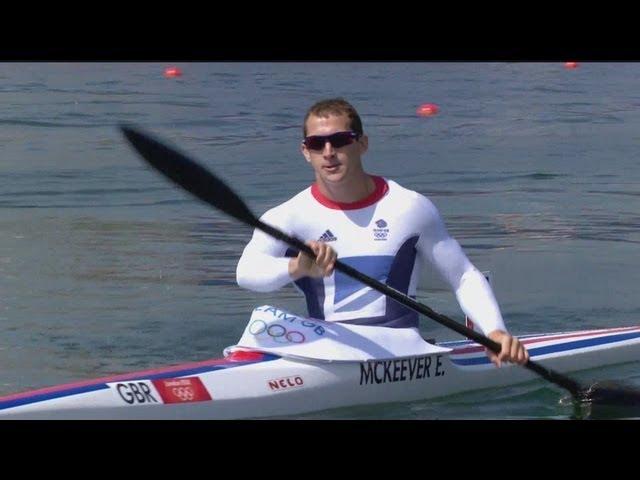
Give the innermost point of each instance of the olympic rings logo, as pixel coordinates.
(185, 394)
(276, 331)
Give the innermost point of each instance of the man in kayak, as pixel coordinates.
(379, 227)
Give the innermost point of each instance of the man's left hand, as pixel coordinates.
(512, 350)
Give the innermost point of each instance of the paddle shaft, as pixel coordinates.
(409, 302)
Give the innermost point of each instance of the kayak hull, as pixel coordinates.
(253, 384)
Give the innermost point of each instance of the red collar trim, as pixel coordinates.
(380, 191)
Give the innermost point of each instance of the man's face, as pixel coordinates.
(334, 163)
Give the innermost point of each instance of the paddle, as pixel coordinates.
(210, 189)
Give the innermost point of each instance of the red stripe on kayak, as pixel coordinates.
(233, 358)
(480, 348)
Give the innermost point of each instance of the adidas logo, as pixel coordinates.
(327, 237)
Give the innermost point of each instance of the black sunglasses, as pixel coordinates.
(337, 140)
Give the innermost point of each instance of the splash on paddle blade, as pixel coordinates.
(613, 393)
(606, 400)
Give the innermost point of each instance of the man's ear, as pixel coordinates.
(305, 152)
(364, 143)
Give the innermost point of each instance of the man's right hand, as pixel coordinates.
(321, 266)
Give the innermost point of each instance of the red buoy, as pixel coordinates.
(170, 72)
(427, 109)
(570, 65)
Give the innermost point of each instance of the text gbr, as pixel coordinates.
(135, 392)
(401, 370)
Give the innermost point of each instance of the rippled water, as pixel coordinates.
(107, 268)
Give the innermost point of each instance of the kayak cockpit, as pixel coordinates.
(276, 331)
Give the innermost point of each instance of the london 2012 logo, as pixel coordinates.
(181, 390)
(382, 230)
(185, 394)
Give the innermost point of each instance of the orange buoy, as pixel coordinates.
(570, 65)
(427, 109)
(172, 72)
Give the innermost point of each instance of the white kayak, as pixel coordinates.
(286, 365)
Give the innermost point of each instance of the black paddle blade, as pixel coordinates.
(189, 175)
(607, 400)
(612, 393)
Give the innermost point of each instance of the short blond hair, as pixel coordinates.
(334, 106)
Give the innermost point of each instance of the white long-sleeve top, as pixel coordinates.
(390, 236)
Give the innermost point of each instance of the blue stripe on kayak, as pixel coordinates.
(101, 386)
(463, 343)
(560, 347)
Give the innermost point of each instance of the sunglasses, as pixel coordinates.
(337, 140)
